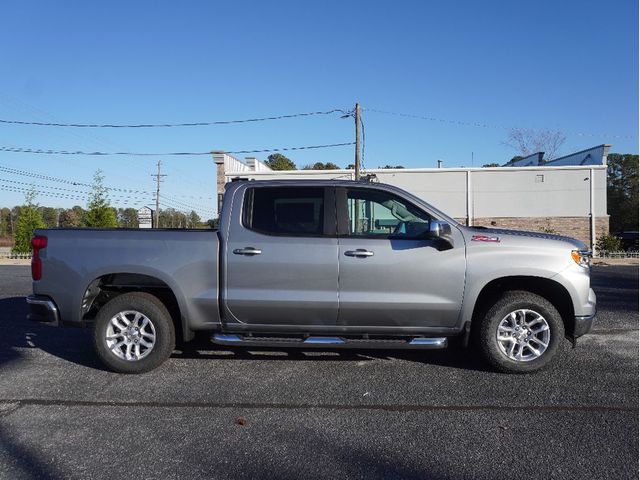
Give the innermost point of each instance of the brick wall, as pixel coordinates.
(576, 227)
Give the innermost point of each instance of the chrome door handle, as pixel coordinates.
(360, 253)
(247, 251)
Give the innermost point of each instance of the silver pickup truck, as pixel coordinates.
(325, 264)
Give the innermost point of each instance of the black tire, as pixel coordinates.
(159, 317)
(486, 335)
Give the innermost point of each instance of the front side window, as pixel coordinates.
(375, 213)
(285, 210)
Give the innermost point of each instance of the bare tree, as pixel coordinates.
(526, 141)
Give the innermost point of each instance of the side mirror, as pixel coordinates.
(439, 229)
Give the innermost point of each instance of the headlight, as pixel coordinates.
(582, 257)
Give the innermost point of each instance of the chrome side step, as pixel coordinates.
(417, 343)
(432, 342)
(324, 340)
(226, 338)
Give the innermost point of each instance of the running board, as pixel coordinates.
(417, 343)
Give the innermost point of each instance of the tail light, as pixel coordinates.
(37, 243)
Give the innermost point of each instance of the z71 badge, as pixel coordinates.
(484, 238)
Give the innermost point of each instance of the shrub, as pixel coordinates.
(608, 243)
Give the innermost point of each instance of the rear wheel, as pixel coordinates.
(521, 333)
(134, 333)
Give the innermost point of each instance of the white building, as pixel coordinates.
(554, 197)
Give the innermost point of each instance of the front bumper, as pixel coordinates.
(582, 326)
(582, 323)
(43, 309)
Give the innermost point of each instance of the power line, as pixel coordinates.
(166, 125)
(69, 196)
(119, 202)
(284, 149)
(164, 203)
(31, 174)
(145, 154)
(43, 186)
(26, 173)
(187, 205)
(67, 191)
(484, 124)
(49, 178)
(125, 195)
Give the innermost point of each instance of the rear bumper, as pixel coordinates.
(43, 309)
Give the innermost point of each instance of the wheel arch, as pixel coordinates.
(547, 288)
(111, 285)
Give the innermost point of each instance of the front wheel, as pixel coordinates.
(134, 333)
(521, 333)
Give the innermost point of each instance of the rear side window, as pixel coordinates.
(285, 210)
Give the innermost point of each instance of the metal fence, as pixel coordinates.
(15, 256)
(618, 254)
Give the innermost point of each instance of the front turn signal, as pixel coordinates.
(582, 257)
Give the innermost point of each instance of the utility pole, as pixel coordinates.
(357, 164)
(158, 181)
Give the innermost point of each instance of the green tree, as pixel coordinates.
(71, 218)
(30, 219)
(391, 166)
(128, 218)
(50, 216)
(622, 192)
(322, 166)
(5, 225)
(99, 212)
(489, 165)
(193, 220)
(277, 161)
(171, 218)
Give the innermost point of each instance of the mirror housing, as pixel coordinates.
(439, 230)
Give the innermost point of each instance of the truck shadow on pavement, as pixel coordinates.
(202, 348)
(18, 333)
(76, 345)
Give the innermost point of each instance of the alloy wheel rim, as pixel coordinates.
(130, 335)
(523, 335)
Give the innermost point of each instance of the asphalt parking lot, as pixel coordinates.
(318, 414)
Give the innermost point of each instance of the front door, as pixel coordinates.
(282, 258)
(390, 273)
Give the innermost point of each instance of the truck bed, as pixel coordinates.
(184, 260)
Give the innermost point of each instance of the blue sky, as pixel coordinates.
(567, 65)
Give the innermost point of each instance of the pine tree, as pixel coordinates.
(100, 214)
(30, 219)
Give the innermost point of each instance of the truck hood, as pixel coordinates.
(500, 232)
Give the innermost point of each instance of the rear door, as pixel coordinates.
(282, 257)
(390, 274)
